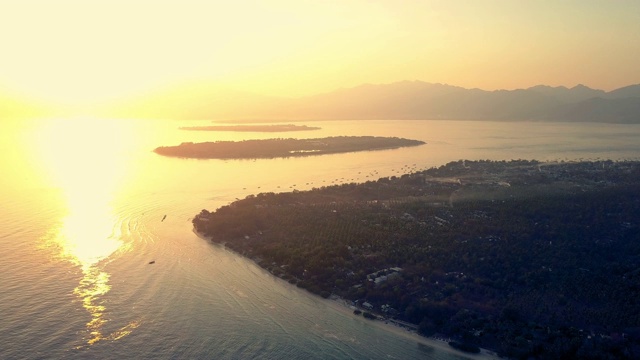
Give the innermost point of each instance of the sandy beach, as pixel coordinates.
(343, 306)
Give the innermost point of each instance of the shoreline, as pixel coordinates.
(340, 305)
(343, 307)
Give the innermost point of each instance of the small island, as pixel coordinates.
(274, 148)
(252, 128)
(528, 259)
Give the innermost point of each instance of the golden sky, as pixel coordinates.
(83, 50)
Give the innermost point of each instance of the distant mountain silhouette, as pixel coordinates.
(631, 91)
(414, 100)
(573, 95)
(612, 110)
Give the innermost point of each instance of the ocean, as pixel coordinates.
(90, 268)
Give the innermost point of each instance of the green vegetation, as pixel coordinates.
(252, 128)
(272, 148)
(525, 258)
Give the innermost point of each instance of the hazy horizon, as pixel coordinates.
(207, 101)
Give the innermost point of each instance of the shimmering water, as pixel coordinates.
(82, 203)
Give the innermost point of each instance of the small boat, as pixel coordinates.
(164, 217)
(152, 262)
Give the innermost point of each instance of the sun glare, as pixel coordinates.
(81, 159)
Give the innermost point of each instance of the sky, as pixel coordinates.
(74, 51)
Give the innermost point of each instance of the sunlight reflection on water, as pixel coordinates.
(80, 158)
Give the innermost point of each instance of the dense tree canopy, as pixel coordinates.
(526, 258)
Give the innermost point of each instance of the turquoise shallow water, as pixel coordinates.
(82, 209)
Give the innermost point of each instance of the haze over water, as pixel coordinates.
(82, 217)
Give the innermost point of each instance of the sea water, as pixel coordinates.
(91, 268)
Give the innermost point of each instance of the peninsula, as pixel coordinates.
(252, 128)
(273, 148)
(529, 259)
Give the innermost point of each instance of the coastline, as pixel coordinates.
(340, 305)
(343, 307)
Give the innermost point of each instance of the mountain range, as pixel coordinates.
(406, 100)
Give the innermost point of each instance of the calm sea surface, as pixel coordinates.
(81, 217)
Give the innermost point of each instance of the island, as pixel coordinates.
(273, 148)
(252, 128)
(528, 259)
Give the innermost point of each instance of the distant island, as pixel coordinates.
(252, 128)
(273, 148)
(529, 259)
